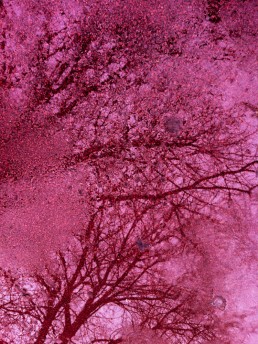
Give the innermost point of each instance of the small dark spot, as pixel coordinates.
(143, 246)
(213, 11)
(89, 89)
(119, 256)
(214, 19)
(25, 292)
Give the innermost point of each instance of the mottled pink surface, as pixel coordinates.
(92, 94)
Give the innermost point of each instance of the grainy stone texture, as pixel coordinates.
(125, 105)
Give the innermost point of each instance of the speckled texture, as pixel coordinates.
(144, 113)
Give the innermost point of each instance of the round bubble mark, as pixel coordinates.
(219, 302)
